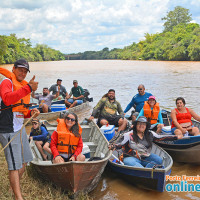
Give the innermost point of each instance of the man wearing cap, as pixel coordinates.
(54, 90)
(151, 110)
(13, 89)
(108, 107)
(138, 100)
(78, 95)
(45, 99)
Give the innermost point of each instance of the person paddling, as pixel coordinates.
(14, 90)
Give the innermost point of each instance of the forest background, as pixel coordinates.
(179, 41)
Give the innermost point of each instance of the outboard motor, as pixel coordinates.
(86, 94)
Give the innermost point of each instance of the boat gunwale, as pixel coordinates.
(166, 169)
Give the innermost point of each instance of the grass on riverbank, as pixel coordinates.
(31, 185)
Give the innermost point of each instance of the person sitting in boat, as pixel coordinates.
(138, 100)
(54, 89)
(108, 107)
(66, 141)
(181, 119)
(41, 137)
(78, 95)
(136, 145)
(151, 110)
(45, 99)
(133, 117)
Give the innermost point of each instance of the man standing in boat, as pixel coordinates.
(54, 89)
(12, 91)
(78, 95)
(45, 99)
(107, 108)
(138, 100)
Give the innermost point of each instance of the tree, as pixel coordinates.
(177, 16)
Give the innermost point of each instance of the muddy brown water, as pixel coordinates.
(165, 80)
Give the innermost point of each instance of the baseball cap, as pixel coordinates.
(35, 120)
(75, 81)
(22, 63)
(59, 79)
(152, 97)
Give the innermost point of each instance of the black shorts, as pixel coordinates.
(41, 111)
(112, 121)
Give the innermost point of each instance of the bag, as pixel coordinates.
(187, 125)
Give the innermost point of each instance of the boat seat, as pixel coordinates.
(92, 146)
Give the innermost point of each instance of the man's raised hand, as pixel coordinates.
(33, 84)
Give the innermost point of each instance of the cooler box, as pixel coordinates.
(108, 131)
(57, 107)
(86, 151)
(166, 130)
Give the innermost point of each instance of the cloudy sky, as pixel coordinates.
(73, 26)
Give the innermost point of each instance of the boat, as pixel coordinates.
(186, 150)
(58, 107)
(58, 112)
(76, 177)
(148, 178)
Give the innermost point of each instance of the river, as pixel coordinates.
(165, 80)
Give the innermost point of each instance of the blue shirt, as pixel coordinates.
(41, 137)
(160, 119)
(138, 101)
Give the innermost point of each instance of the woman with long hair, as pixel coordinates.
(66, 141)
(136, 145)
(181, 119)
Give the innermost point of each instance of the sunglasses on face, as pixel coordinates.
(68, 118)
(139, 88)
(34, 123)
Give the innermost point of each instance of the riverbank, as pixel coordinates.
(33, 188)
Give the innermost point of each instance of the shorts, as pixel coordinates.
(173, 129)
(13, 151)
(112, 121)
(79, 101)
(41, 111)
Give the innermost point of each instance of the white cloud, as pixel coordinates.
(80, 25)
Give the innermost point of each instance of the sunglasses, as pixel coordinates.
(34, 123)
(68, 118)
(139, 88)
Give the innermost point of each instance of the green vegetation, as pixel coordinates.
(180, 40)
(13, 48)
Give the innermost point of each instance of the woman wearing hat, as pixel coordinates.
(136, 145)
(41, 137)
(152, 112)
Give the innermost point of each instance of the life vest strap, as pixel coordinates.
(16, 105)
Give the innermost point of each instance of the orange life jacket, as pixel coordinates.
(16, 86)
(151, 115)
(67, 141)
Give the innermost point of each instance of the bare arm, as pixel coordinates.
(33, 94)
(82, 96)
(57, 93)
(194, 115)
